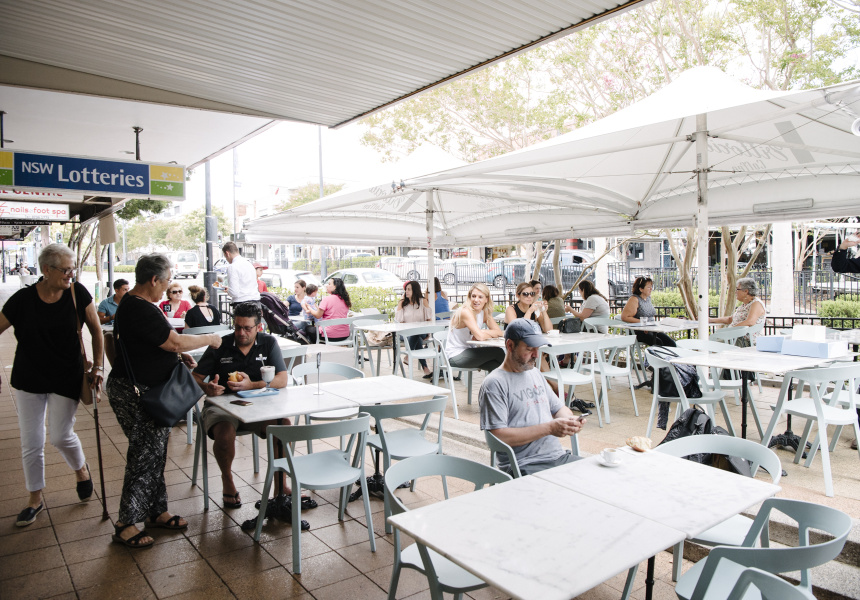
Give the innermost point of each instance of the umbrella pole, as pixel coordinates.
(431, 262)
(702, 220)
(105, 514)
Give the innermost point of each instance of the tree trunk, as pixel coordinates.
(556, 265)
(538, 259)
(685, 281)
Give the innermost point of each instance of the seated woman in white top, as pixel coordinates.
(466, 325)
(414, 307)
(594, 304)
(750, 312)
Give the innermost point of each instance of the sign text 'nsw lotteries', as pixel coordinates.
(91, 176)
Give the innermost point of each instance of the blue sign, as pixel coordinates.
(65, 172)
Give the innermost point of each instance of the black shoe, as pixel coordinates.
(28, 515)
(457, 378)
(85, 488)
(428, 376)
(581, 406)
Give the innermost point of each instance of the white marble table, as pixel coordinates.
(554, 339)
(675, 492)
(521, 537)
(393, 328)
(383, 390)
(659, 327)
(294, 400)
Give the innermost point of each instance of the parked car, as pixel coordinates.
(369, 278)
(505, 271)
(462, 270)
(286, 278)
(220, 266)
(390, 263)
(185, 264)
(572, 264)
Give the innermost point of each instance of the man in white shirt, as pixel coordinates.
(241, 276)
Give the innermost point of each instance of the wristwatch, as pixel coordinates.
(98, 368)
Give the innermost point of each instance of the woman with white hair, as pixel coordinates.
(751, 310)
(49, 367)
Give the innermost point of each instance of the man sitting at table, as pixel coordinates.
(519, 407)
(108, 306)
(244, 351)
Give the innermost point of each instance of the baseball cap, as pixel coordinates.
(259, 266)
(526, 330)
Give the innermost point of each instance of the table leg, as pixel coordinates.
(787, 439)
(649, 579)
(745, 398)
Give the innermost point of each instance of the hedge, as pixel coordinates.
(673, 298)
(838, 308)
(361, 297)
(116, 269)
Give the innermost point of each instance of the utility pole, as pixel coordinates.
(211, 230)
(323, 249)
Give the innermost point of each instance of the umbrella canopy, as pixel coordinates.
(772, 156)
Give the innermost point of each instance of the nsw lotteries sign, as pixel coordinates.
(29, 170)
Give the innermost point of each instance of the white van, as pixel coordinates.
(185, 264)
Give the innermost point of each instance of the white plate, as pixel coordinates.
(603, 462)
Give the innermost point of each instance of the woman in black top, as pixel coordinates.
(48, 369)
(202, 314)
(528, 307)
(152, 347)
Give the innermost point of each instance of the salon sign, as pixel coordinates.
(31, 171)
(34, 211)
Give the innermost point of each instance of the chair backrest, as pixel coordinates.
(728, 445)
(769, 586)
(796, 558)
(729, 334)
(370, 311)
(291, 353)
(497, 446)
(421, 330)
(592, 323)
(842, 376)
(370, 319)
(444, 315)
(206, 329)
(302, 371)
(624, 341)
(380, 412)
(438, 465)
(357, 429)
(556, 320)
(659, 363)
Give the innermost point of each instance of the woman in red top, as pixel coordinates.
(334, 306)
(175, 307)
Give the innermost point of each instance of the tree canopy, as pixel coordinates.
(185, 232)
(308, 193)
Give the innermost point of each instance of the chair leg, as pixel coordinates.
(469, 387)
(628, 585)
(651, 417)
(801, 446)
(444, 485)
(368, 515)
(756, 417)
(825, 461)
(297, 527)
(596, 402)
(264, 501)
(395, 578)
(255, 450)
(728, 419)
(604, 392)
(633, 393)
(196, 458)
(677, 560)
(309, 443)
(189, 426)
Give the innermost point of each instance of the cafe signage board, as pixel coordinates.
(33, 211)
(31, 171)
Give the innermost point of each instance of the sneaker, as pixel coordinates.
(28, 515)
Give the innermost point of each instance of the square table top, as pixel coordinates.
(383, 390)
(554, 339)
(291, 401)
(394, 327)
(519, 536)
(678, 493)
(659, 327)
(750, 359)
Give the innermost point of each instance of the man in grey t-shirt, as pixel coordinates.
(518, 406)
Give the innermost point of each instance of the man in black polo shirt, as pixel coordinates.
(243, 351)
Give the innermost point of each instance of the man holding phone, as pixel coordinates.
(520, 408)
(234, 367)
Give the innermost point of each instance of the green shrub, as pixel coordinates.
(670, 298)
(838, 308)
(116, 269)
(361, 297)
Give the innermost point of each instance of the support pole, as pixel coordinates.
(701, 137)
(323, 248)
(211, 239)
(431, 260)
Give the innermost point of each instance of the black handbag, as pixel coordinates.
(570, 325)
(166, 403)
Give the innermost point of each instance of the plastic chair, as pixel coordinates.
(708, 400)
(731, 561)
(729, 334)
(444, 367)
(839, 411)
(592, 323)
(444, 315)
(408, 442)
(443, 575)
(319, 471)
(201, 453)
(189, 417)
(770, 587)
(291, 354)
(613, 325)
(431, 352)
(730, 532)
(370, 311)
(362, 345)
(497, 447)
(322, 327)
(301, 373)
(606, 352)
(575, 374)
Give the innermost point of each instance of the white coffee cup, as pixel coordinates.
(611, 455)
(553, 332)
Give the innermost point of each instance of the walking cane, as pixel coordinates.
(95, 392)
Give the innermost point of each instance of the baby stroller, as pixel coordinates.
(277, 317)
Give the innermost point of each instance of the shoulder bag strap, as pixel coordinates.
(78, 322)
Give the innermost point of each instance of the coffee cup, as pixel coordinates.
(553, 332)
(611, 456)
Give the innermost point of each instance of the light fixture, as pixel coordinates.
(521, 231)
(764, 208)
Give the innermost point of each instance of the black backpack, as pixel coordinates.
(694, 421)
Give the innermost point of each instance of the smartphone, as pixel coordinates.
(241, 402)
(581, 418)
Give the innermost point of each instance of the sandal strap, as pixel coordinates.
(173, 521)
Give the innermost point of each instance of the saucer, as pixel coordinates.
(603, 462)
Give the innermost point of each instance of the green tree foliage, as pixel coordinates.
(308, 193)
(185, 232)
(137, 207)
(769, 44)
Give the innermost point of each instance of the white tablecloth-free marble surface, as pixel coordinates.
(393, 327)
(750, 359)
(383, 390)
(658, 327)
(521, 537)
(560, 338)
(673, 491)
(291, 401)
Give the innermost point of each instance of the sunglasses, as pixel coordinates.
(527, 294)
(175, 291)
(65, 272)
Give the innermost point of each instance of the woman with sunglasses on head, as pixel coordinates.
(334, 306)
(639, 307)
(175, 307)
(529, 306)
(466, 325)
(48, 370)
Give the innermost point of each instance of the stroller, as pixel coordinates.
(277, 317)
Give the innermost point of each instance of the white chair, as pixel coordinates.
(206, 329)
(430, 353)
(322, 327)
(444, 367)
(370, 311)
(606, 353)
(637, 352)
(303, 371)
(442, 574)
(497, 447)
(362, 345)
(292, 354)
(707, 401)
(730, 532)
(405, 443)
(716, 574)
(840, 411)
(574, 374)
(769, 587)
(319, 471)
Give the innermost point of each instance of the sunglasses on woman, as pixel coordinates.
(527, 294)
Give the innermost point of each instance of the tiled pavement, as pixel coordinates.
(67, 553)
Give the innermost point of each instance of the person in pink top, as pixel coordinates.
(334, 306)
(175, 307)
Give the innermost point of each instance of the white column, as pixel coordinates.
(781, 301)
(601, 272)
(702, 220)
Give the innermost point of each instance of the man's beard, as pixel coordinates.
(525, 366)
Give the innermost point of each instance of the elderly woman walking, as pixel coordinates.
(49, 367)
(751, 310)
(152, 347)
